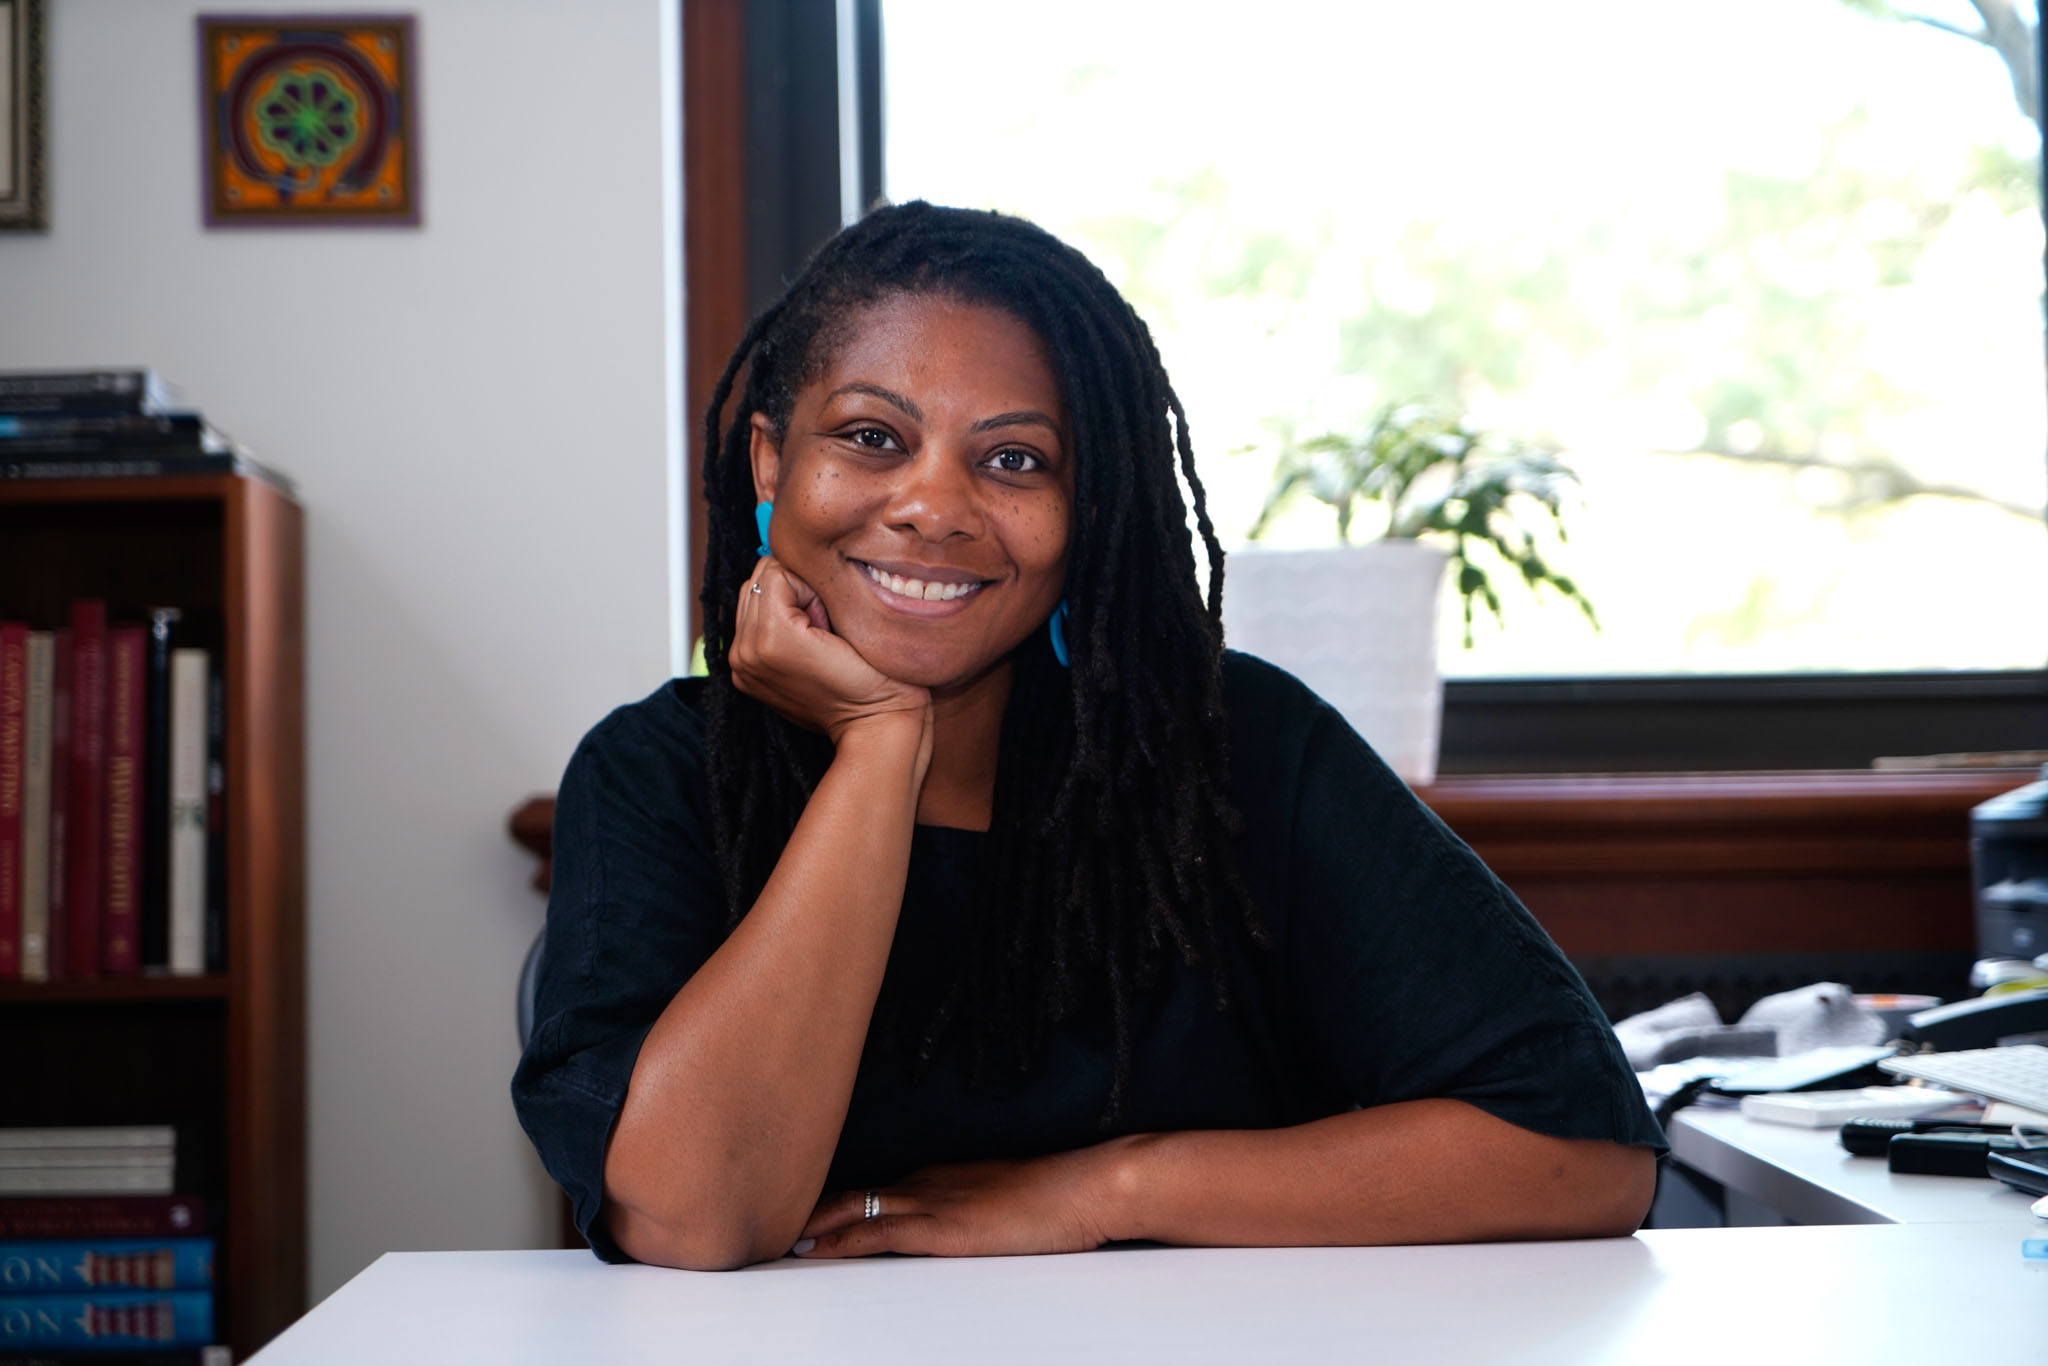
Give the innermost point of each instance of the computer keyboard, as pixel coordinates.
(2017, 1074)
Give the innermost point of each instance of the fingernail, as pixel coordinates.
(804, 1245)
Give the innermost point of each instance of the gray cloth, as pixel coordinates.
(1795, 1021)
(1820, 1016)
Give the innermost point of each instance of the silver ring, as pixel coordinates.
(757, 588)
(871, 1206)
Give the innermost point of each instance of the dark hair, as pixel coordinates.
(1111, 837)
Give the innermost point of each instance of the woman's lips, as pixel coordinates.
(920, 596)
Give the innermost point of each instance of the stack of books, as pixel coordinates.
(107, 1279)
(104, 1160)
(113, 839)
(110, 424)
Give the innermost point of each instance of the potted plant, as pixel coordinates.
(1358, 622)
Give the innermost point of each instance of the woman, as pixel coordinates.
(978, 902)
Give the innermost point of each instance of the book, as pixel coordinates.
(153, 1178)
(91, 1136)
(13, 772)
(84, 851)
(216, 822)
(107, 1318)
(121, 909)
(57, 942)
(210, 1355)
(133, 390)
(102, 1216)
(78, 1266)
(35, 809)
(136, 463)
(169, 443)
(139, 428)
(185, 793)
(52, 1159)
(155, 906)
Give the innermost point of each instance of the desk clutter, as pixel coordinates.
(112, 827)
(1826, 1014)
(103, 1259)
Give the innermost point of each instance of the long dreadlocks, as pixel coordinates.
(1111, 829)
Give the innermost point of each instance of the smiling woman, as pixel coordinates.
(922, 490)
(909, 929)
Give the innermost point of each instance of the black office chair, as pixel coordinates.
(529, 984)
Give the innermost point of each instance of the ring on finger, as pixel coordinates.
(757, 589)
(871, 1205)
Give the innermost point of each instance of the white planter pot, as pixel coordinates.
(1359, 625)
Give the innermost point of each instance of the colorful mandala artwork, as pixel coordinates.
(309, 119)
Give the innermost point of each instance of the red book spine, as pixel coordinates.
(121, 911)
(102, 1216)
(88, 804)
(60, 805)
(13, 774)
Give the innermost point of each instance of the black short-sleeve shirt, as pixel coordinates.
(1399, 967)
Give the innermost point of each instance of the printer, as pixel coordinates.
(2009, 863)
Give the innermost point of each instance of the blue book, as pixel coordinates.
(107, 1319)
(80, 1265)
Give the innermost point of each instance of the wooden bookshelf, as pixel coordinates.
(222, 1057)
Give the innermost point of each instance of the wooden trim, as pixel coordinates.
(533, 829)
(714, 229)
(1676, 865)
(1718, 825)
(102, 989)
(265, 669)
(184, 488)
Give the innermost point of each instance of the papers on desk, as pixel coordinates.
(1806, 1067)
(1662, 1082)
(1777, 1076)
(1828, 1109)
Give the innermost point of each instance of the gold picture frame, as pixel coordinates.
(22, 206)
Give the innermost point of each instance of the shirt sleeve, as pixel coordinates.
(635, 908)
(1416, 973)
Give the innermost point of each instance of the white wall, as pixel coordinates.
(477, 412)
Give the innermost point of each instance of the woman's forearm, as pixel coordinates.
(740, 1090)
(1428, 1171)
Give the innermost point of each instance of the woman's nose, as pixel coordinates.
(935, 497)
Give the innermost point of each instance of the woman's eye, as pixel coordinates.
(874, 438)
(1012, 461)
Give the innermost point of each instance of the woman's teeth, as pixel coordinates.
(919, 588)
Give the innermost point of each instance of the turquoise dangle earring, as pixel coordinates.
(1057, 626)
(763, 510)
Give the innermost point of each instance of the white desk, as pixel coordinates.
(1806, 1176)
(1907, 1294)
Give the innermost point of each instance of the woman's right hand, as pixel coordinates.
(785, 656)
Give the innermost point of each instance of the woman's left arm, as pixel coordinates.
(1423, 1171)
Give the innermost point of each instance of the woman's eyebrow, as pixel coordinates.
(888, 396)
(1022, 417)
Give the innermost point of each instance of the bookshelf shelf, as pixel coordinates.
(222, 1058)
(217, 987)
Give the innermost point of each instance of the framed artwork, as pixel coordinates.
(309, 120)
(21, 115)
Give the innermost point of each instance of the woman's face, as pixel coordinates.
(925, 487)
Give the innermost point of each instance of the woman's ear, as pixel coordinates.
(765, 454)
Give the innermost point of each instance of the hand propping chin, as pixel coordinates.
(785, 655)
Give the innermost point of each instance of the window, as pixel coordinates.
(1768, 273)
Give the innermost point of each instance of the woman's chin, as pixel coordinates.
(925, 665)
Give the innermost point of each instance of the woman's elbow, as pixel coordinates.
(686, 1243)
(1616, 1193)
